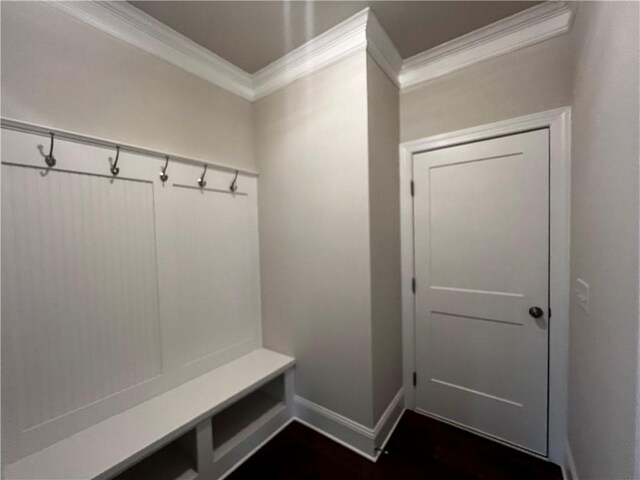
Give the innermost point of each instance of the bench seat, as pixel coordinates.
(105, 449)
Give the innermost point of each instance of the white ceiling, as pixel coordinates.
(252, 34)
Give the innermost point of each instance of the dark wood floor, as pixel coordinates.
(420, 448)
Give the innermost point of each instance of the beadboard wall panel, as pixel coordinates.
(116, 289)
(220, 315)
(79, 288)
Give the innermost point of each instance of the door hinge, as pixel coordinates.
(413, 190)
(549, 313)
(415, 379)
(413, 284)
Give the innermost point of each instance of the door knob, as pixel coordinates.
(536, 312)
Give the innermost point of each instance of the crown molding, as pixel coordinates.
(125, 22)
(327, 48)
(359, 32)
(382, 49)
(523, 29)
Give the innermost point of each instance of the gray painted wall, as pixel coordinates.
(603, 386)
(530, 80)
(327, 148)
(311, 144)
(384, 236)
(60, 72)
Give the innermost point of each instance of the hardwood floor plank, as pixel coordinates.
(420, 448)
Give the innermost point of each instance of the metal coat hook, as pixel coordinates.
(234, 185)
(201, 181)
(50, 160)
(114, 168)
(163, 174)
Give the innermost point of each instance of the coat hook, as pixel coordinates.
(50, 160)
(114, 168)
(234, 185)
(163, 173)
(201, 181)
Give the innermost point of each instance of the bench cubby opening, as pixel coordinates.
(241, 419)
(175, 461)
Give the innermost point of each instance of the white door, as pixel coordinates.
(481, 223)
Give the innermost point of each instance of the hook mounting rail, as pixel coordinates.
(35, 129)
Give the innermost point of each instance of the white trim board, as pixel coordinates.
(67, 135)
(558, 122)
(363, 440)
(359, 32)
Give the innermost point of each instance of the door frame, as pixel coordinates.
(559, 123)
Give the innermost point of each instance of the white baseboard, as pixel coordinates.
(345, 443)
(362, 440)
(400, 411)
(569, 471)
(352, 435)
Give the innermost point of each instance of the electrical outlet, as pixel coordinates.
(582, 294)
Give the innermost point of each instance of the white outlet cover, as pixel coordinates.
(582, 294)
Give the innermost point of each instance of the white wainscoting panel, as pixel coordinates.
(79, 289)
(208, 241)
(115, 290)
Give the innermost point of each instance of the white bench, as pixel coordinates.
(201, 429)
